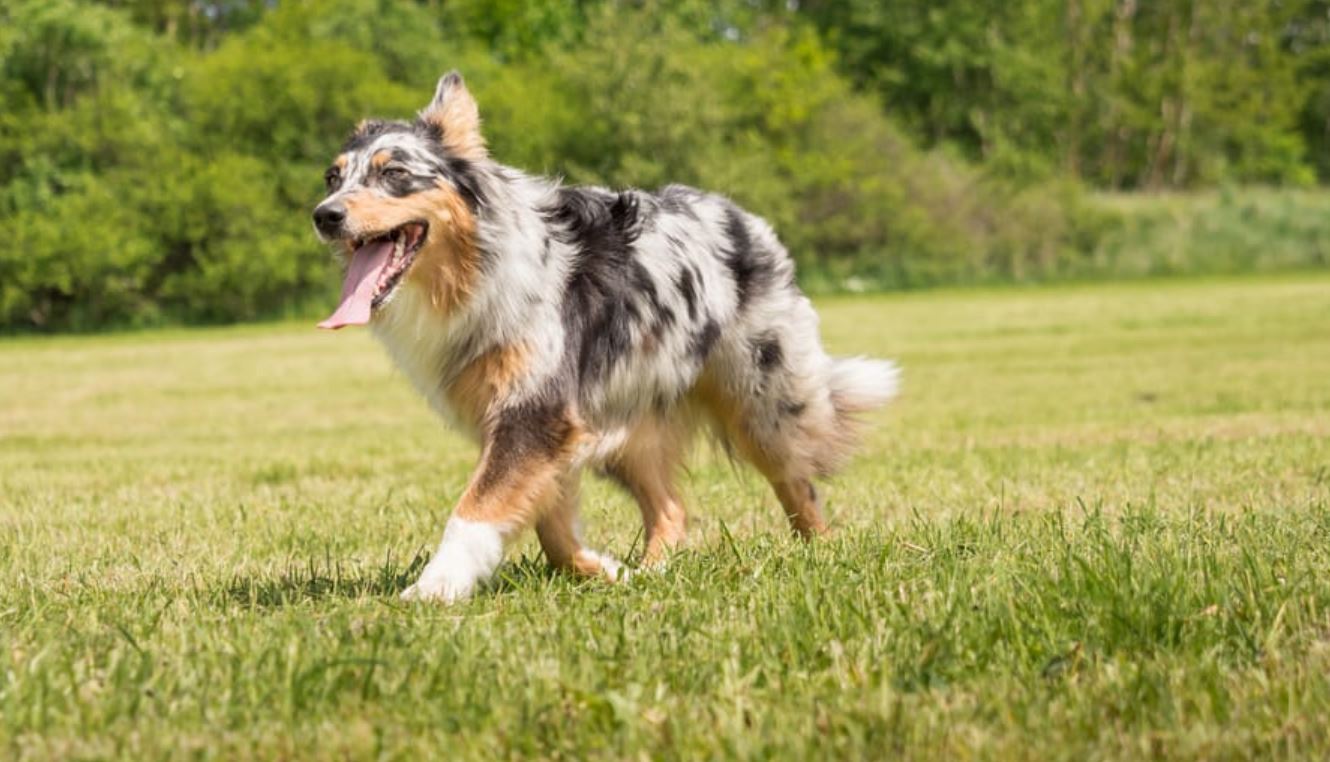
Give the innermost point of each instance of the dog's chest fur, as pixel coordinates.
(424, 348)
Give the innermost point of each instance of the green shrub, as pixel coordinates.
(151, 176)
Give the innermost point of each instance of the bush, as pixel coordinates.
(136, 195)
(142, 180)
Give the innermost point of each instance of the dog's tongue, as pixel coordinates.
(362, 280)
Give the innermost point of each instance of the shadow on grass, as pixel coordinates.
(327, 579)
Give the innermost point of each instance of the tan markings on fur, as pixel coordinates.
(448, 263)
(487, 378)
(514, 495)
(379, 159)
(450, 257)
(647, 464)
(726, 414)
(802, 506)
(458, 118)
(557, 531)
(782, 469)
(340, 162)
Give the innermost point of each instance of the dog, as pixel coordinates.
(566, 328)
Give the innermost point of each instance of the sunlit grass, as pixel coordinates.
(1097, 524)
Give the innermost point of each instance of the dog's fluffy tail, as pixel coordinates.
(861, 384)
(856, 385)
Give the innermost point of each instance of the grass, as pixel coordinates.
(1097, 525)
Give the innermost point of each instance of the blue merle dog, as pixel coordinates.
(566, 327)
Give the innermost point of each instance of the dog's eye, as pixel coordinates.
(393, 173)
(331, 178)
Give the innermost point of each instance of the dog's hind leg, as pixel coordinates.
(646, 467)
(559, 530)
(787, 407)
(803, 507)
(771, 451)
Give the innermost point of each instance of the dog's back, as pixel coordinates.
(681, 298)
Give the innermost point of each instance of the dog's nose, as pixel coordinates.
(328, 218)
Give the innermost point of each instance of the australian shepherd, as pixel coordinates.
(570, 327)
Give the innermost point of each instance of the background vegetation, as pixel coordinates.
(158, 158)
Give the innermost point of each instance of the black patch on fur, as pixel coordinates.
(684, 283)
(400, 154)
(430, 131)
(661, 314)
(641, 280)
(466, 179)
(752, 271)
(699, 346)
(534, 430)
(407, 183)
(663, 322)
(400, 187)
(464, 175)
(605, 283)
(370, 131)
(595, 221)
(768, 352)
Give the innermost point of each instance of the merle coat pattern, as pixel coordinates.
(575, 327)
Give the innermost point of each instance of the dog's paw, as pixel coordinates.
(436, 590)
(656, 565)
(467, 556)
(603, 565)
(448, 579)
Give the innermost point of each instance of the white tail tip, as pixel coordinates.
(861, 383)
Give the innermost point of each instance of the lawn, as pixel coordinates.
(1095, 525)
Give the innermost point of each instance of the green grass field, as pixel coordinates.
(1096, 525)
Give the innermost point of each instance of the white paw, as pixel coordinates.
(436, 591)
(467, 556)
(610, 568)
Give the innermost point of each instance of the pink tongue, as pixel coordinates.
(362, 280)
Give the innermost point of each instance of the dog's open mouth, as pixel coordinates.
(377, 266)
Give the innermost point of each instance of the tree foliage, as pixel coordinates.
(1122, 93)
(158, 159)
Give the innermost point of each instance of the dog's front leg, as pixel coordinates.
(526, 450)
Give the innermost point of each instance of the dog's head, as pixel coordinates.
(402, 203)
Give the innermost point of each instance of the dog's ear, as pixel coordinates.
(453, 112)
